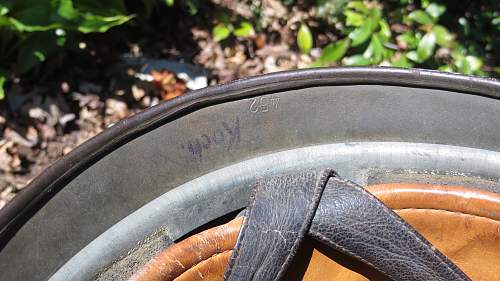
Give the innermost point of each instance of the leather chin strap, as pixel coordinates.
(339, 214)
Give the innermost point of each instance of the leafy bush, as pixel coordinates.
(367, 39)
(401, 33)
(225, 28)
(31, 30)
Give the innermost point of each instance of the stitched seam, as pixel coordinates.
(399, 221)
(239, 242)
(324, 238)
(311, 212)
(404, 224)
(447, 211)
(202, 261)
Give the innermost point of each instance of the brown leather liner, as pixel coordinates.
(211, 269)
(182, 256)
(471, 242)
(440, 197)
(466, 237)
(461, 222)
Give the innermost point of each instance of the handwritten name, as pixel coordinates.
(226, 136)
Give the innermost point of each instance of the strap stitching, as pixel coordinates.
(446, 211)
(324, 238)
(311, 212)
(399, 221)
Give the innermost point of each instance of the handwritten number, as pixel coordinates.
(263, 104)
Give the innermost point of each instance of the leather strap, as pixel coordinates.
(347, 218)
(280, 233)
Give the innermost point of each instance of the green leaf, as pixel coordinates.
(4, 21)
(304, 39)
(61, 37)
(375, 16)
(31, 13)
(362, 33)
(3, 10)
(34, 50)
(459, 62)
(387, 53)
(244, 30)
(463, 65)
(420, 17)
(192, 6)
(412, 55)
(334, 51)
(221, 32)
(61, 41)
(66, 10)
(356, 60)
(358, 6)
(408, 39)
(39, 56)
(400, 60)
(426, 46)
(465, 25)
(2, 83)
(353, 18)
(474, 62)
(385, 30)
(96, 23)
(21, 27)
(169, 3)
(443, 36)
(447, 68)
(435, 10)
(375, 50)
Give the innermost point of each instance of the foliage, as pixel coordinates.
(365, 38)
(403, 33)
(2, 81)
(304, 39)
(225, 28)
(191, 5)
(329, 9)
(32, 30)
